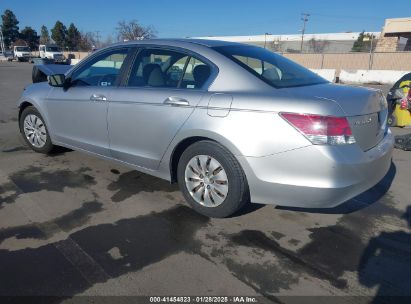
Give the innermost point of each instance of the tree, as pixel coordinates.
(108, 41)
(317, 46)
(275, 45)
(134, 31)
(363, 42)
(87, 41)
(9, 27)
(73, 37)
(30, 36)
(44, 35)
(59, 34)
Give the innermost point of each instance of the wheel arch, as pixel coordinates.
(184, 143)
(22, 106)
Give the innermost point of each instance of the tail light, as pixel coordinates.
(321, 130)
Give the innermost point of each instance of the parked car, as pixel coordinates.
(8, 55)
(241, 124)
(21, 53)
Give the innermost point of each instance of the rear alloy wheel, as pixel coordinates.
(34, 130)
(206, 181)
(212, 180)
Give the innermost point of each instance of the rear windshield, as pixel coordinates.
(274, 69)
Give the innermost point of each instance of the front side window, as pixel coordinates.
(104, 70)
(273, 69)
(167, 69)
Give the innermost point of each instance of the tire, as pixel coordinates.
(31, 122)
(228, 186)
(392, 120)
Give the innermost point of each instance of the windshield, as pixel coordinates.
(22, 49)
(273, 69)
(52, 49)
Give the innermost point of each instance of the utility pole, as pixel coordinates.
(371, 53)
(305, 20)
(2, 47)
(98, 38)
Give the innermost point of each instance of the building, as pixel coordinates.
(395, 36)
(313, 43)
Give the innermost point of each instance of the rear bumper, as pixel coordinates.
(317, 176)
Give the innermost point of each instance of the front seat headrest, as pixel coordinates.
(153, 75)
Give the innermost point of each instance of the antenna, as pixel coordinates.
(305, 20)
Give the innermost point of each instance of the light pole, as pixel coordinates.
(265, 39)
(305, 20)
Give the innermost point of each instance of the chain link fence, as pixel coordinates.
(354, 61)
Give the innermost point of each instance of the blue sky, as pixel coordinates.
(185, 18)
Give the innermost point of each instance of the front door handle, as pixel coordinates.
(98, 97)
(176, 101)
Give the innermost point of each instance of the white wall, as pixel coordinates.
(371, 76)
(328, 74)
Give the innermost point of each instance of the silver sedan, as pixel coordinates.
(231, 123)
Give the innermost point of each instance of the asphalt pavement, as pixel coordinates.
(74, 225)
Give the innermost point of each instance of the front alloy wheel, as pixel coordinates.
(34, 130)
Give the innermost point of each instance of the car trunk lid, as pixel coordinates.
(365, 109)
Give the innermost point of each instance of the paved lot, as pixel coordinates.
(71, 224)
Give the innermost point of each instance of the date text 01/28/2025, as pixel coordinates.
(203, 299)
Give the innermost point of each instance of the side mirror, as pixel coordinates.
(57, 80)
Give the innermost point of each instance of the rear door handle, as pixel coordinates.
(98, 97)
(176, 101)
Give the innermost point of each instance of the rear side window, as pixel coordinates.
(273, 69)
(196, 74)
(163, 68)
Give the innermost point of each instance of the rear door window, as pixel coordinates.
(162, 68)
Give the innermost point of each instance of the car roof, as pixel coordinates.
(182, 41)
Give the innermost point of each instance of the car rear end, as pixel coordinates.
(58, 57)
(345, 154)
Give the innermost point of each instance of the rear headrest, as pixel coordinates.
(201, 74)
(271, 74)
(153, 76)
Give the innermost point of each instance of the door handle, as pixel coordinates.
(176, 101)
(98, 97)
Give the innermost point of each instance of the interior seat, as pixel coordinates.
(201, 74)
(153, 75)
